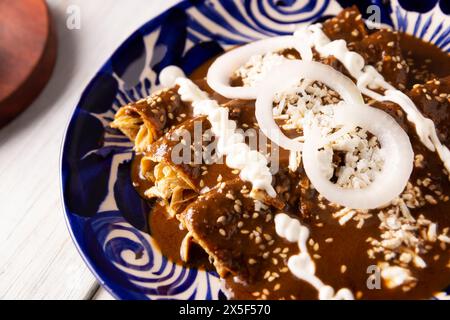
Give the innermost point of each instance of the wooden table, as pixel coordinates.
(37, 257)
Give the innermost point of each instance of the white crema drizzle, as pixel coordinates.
(302, 265)
(368, 78)
(252, 164)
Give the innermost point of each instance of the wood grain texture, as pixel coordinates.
(27, 54)
(37, 257)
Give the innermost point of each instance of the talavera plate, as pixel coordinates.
(106, 217)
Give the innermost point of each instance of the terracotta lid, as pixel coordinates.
(27, 54)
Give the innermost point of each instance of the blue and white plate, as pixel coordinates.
(105, 215)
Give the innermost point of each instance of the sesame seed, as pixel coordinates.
(222, 232)
(221, 219)
(430, 199)
(268, 237)
(343, 268)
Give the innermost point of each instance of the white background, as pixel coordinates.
(37, 257)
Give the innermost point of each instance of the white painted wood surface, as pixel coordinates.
(102, 294)
(37, 257)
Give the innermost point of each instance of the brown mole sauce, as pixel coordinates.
(165, 230)
(349, 246)
(425, 59)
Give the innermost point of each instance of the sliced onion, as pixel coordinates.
(287, 75)
(395, 149)
(219, 73)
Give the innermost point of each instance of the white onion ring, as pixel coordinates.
(288, 74)
(220, 71)
(395, 149)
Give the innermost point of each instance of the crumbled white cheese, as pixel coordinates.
(395, 276)
(361, 162)
(257, 68)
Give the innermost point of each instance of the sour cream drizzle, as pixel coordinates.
(368, 78)
(302, 265)
(252, 164)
